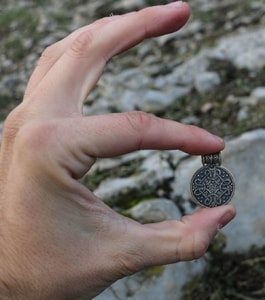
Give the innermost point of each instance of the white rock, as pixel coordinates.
(259, 94)
(243, 114)
(154, 169)
(245, 157)
(155, 210)
(245, 50)
(207, 81)
(165, 286)
(186, 72)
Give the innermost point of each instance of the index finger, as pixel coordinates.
(78, 69)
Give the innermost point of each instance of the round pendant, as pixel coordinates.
(212, 185)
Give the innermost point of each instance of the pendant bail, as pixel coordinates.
(212, 159)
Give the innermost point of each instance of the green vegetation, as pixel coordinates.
(237, 276)
(155, 271)
(13, 48)
(19, 18)
(131, 168)
(61, 19)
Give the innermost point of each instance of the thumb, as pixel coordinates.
(173, 241)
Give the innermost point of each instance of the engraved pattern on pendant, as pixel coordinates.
(212, 186)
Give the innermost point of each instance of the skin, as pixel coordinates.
(57, 239)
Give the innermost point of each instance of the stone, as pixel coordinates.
(154, 169)
(166, 283)
(245, 157)
(186, 73)
(208, 106)
(207, 81)
(155, 100)
(192, 120)
(155, 210)
(259, 94)
(243, 114)
(129, 5)
(244, 50)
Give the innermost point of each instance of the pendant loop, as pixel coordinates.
(212, 159)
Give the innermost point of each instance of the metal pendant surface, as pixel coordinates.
(212, 185)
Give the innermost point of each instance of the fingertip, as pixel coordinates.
(214, 144)
(185, 8)
(213, 141)
(179, 4)
(213, 218)
(218, 140)
(227, 216)
(198, 141)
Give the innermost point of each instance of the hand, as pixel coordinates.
(57, 239)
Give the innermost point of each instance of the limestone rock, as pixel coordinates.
(245, 50)
(206, 82)
(155, 210)
(259, 94)
(165, 284)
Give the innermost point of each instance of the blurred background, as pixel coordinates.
(211, 74)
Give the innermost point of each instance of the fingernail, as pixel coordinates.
(225, 219)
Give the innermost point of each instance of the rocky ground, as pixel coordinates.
(211, 74)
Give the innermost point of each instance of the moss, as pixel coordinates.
(155, 271)
(61, 19)
(92, 180)
(18, 18)
(128, 198)
(13, 49)
(237, 276)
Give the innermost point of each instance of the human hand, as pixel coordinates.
(57, 239)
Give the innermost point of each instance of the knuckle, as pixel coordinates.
(12, 124)
(139, 120)
(103, 21)
(129, 263)
(82, 44)
(28, 141)
(199, 246)
(35, 138)
(191, 244)
(47, 55)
